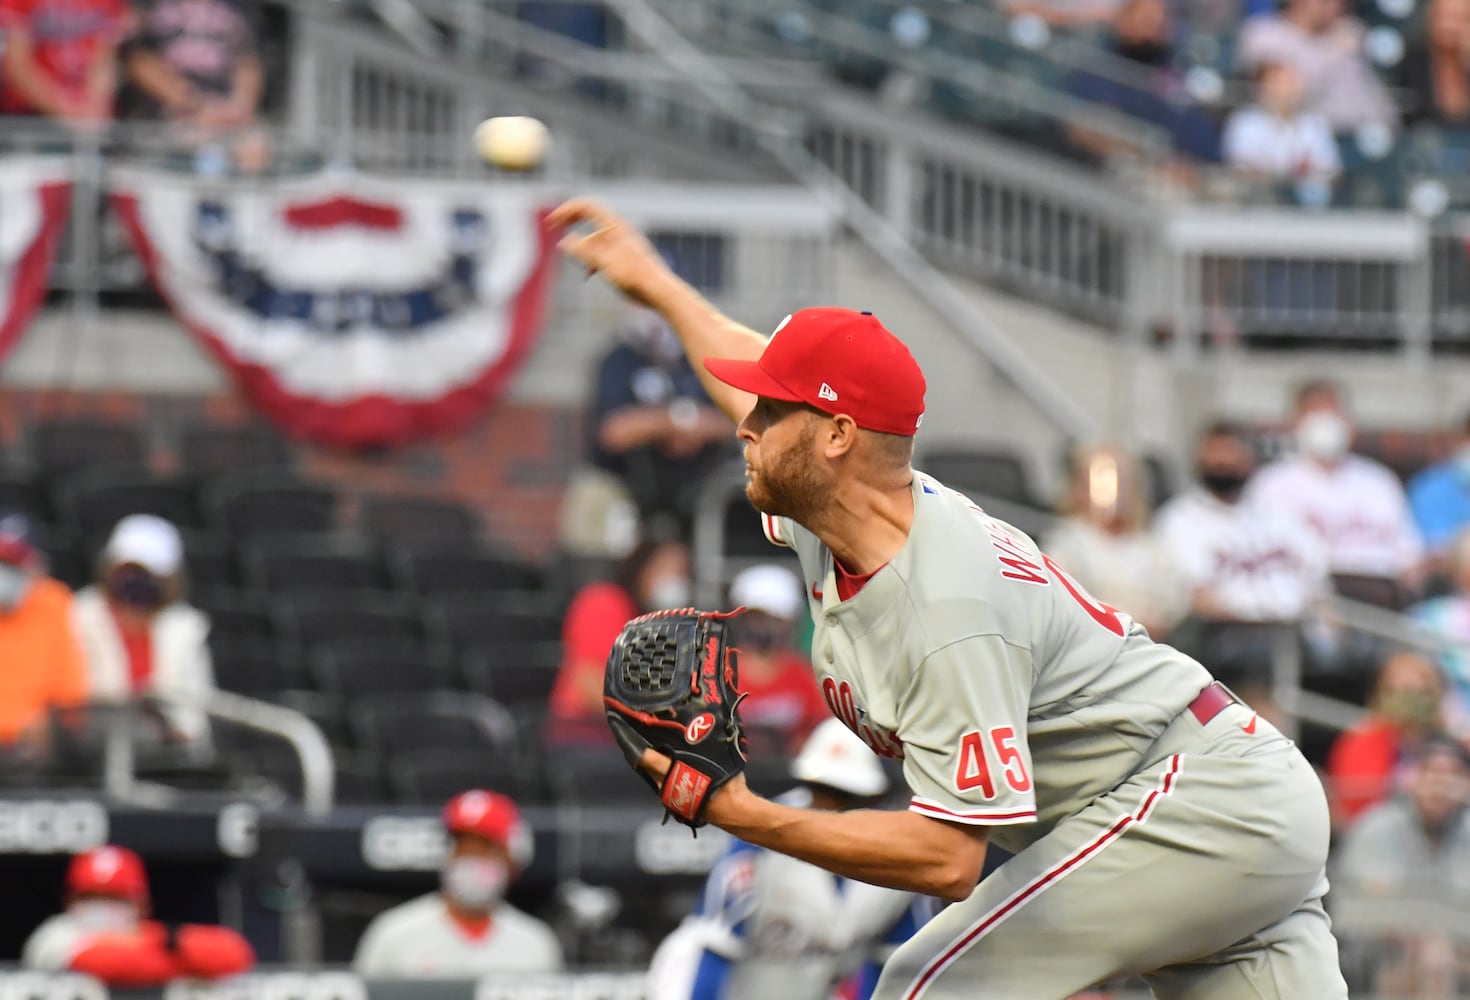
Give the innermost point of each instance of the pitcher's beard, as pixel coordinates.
(791, 485)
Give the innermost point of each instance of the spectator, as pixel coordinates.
(1274, 139)
(1448, 617)
(1439, 496)
(1104, 542)
(1367, 762)
(1435, 71)
(1354, 506)
(1246, 573)
(139, 636)
(104, 931)
(782, 704)
(43, 666)
(195, 63)
(1414, 849)
(59, 58)
(654, 576)
(1142, 37)
(654, 428)
(466, 929)
(1325, 47)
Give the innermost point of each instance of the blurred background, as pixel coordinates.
(325, 483)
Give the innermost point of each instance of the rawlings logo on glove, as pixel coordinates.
(670, 686)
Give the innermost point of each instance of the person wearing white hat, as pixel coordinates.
(782, 701)
(139, 635)
(768, 925)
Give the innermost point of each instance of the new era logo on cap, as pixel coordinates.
(866, 372)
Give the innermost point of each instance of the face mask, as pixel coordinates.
(670, 592)
(1411, 709)
(102, 915)
(1323, 435)
(1227, 485)
(136, 588)
(476, 884)
(15, 583)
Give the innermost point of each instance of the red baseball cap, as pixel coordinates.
(839, 361)
(492, 816)
(108, 871)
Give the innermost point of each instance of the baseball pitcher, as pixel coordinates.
(1159, 827)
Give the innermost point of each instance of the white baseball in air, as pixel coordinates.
(512, 142)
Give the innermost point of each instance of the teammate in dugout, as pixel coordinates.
(768, 925)
(1159, 827)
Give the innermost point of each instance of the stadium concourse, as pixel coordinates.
(326, 481)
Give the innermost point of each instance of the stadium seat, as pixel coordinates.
(20, 490)
(62, 446)
(90, 501)
(381, 665)
(205, 452)
(464, 620)
(260, 503)
(309, 618)
(981, 472)
(237, 621)
(434, 776)
(513, 671)
(251, 670)
(208, 562)
(595, 776)
(416, 520)
(357, 778)
(293, 563)
(460, 569)
(327, 711)
(394, 723)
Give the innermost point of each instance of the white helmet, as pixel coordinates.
(836, 758)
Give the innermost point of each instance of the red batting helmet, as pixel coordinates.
(494, 817)
(108, 871)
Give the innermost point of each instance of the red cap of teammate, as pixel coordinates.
(108, 871)
(494, 817)
(839, 361)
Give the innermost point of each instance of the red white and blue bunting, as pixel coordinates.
(355, 311)
(35, 199)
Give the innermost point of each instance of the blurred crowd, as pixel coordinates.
(191, 67)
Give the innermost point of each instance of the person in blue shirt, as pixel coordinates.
(1439, 497)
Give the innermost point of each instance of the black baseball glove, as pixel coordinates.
(670, 685)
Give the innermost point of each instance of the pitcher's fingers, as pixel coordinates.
(577, 210)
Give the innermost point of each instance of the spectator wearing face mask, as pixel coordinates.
(1367, 763)
(41, 657)
(1353, 506)
(1247, 572)
(782, 702)
(1439, 496)
(139, 636)
(1414, 851)
(466, 929)
(654, 577)
(104, 931)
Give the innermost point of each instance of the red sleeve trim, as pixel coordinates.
(924, 807)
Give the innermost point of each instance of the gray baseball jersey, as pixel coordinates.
(1017, 701)
(419, 939)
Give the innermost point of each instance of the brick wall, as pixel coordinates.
(512, 465)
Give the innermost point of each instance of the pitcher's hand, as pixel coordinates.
(613, 249)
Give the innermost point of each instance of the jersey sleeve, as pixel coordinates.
(729, 901)
(963, 725)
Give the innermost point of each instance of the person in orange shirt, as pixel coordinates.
(42, 657)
